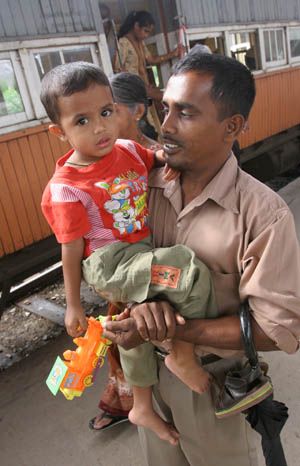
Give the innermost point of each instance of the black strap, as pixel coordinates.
(247, 337)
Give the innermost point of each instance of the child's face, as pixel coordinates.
(88, 122)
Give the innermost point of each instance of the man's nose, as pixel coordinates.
(168, 125)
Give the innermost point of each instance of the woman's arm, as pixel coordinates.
(158, 59)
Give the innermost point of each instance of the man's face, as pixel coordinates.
(88, 121)
(192, 132)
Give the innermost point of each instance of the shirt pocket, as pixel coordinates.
(226, 287)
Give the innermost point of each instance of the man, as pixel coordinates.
(246, 236)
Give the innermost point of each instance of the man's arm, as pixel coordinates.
(221, 333)
(72, 254)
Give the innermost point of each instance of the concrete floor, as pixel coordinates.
(37, 429)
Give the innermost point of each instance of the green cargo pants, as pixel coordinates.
(123, 272)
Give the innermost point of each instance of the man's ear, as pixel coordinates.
(234, 126)
(57, 131)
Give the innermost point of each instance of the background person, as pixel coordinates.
(131, 96)
(239, 228)
(135, 56)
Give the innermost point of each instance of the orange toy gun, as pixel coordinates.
(77, 371)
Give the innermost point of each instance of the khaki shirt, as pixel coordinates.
(245, 234)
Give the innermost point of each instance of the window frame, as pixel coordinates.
(274, 63)
(27, 114)
(206, 34)
(258, 43)
(32, 74)
(293, 60)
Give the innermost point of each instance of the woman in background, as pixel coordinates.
(135, 56)
(131, 96)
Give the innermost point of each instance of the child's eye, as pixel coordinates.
(82, 121)
(106, 113)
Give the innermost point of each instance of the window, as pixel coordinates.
(154, 71)
(274, 47)
(216, 44)
(294, 38)
(14, 102)
(244, 48)
(21, 72)
(10, 98)
(37, 62)
(47, 60)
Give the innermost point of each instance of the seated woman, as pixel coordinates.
(130, 94)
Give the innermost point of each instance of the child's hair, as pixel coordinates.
(130, 90)
(65, 80)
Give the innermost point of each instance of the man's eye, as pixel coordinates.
(82, 121)
(186, 114)
(106, 113)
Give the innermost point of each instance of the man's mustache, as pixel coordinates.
(168, 140)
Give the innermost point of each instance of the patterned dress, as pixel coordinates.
(134, 60)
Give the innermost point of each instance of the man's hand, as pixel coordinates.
(147, 321)
(155, 320)
(75, 321)
(123, 333)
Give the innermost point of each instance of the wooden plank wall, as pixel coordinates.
(27, 160)
(276, 107)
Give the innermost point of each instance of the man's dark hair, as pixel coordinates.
(129, 89)
(65, 80)
(143, 18)
(233, 88)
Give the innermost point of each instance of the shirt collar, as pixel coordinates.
(221, 189)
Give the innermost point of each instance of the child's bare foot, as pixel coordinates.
(190, 373)
(151, 420)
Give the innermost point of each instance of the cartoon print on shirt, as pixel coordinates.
(127, 203)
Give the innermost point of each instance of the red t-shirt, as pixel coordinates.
(104, 202)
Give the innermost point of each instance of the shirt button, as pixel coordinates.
(178, 224)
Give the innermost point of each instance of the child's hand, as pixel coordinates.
(75, 321)
(170, 174)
